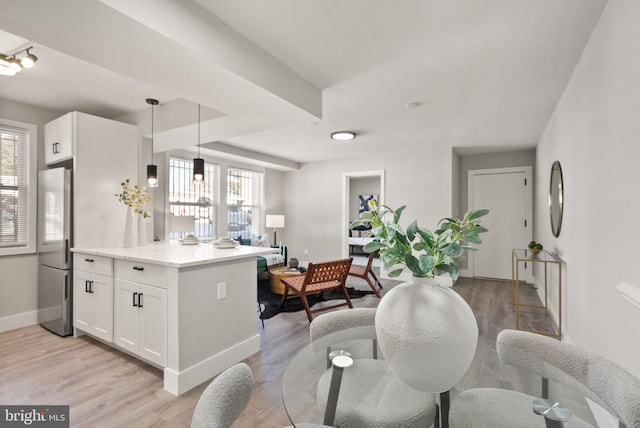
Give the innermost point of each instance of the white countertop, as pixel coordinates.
(174, 254)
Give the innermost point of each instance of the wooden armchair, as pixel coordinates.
(319, 277)
(364, 272)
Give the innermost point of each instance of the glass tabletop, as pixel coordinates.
(532, 256)
(307, 381)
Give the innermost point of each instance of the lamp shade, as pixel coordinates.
(275, 220)
(182, 223)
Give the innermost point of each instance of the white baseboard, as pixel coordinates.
(13, 322)
(180, 382)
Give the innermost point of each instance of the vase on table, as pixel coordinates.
(143, 231)
(131, 229)
(427, 333)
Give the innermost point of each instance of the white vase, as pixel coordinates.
(143, 235)
(427, 333)
(131, 229)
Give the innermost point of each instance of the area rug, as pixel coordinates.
(271, 301)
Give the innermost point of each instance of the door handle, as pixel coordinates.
(91, 287)
(55, 148)
(66, 287)
(139, 300)
(134, 300)
(86, 287)
(66, 251)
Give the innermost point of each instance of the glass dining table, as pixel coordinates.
(317, 385)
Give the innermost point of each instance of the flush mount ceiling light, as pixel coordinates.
(198, 163)
(343, 135)
(152, 170)
(10, 65)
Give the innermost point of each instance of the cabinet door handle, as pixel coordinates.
(139, 300)
(134, 299)
(138, 268)
(86, 286)
(55, 148)
(91, 287)
(88, 260)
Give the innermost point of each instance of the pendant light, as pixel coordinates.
(152, 170)
(198, 163)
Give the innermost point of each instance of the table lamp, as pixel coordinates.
(182, 224)
(275, 221)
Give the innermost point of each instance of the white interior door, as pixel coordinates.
(507, 194)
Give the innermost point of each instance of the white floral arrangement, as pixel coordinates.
(135, 197)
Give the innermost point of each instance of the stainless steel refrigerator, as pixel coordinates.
(54, 243)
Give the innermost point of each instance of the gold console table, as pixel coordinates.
(522, 255)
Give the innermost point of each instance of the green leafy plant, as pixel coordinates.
(425, 253)
(535, 246)
(134, 197)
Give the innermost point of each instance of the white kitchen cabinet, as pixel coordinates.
(141, 311)
(59, 139)
(102, 153)
(93, 296)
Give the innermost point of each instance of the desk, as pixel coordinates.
(545, 258)
(308, 367)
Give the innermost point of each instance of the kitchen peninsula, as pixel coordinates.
(188, 309)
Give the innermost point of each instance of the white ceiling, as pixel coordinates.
(278, 76)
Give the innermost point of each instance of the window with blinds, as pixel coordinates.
(14, 189)
(187, 199)
(244, 202)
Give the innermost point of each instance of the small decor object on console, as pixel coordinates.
(293, 262)
(535, 247)
(426, 331)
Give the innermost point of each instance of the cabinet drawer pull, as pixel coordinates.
(89, 260)
(138, 268)
(134, 300)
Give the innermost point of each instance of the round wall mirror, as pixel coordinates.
(555, 198)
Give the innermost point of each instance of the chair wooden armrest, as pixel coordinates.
(319, 277)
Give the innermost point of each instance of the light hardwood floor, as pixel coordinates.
(107, 388)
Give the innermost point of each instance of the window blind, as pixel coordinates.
(14, 206)
(244, 202)
(187, 199)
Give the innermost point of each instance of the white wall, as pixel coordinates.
(595, 134)
(19, 274)
(313, 198)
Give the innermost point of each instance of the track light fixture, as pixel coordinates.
(152, 170)
(198, 163)
(10, 65)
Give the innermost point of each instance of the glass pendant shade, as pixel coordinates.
(198, 170)
(152, 170)
(152, 175)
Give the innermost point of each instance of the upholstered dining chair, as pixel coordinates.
(365, 272)
(320, 277)
(224, 399)
(594, 377)
(404, 406)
